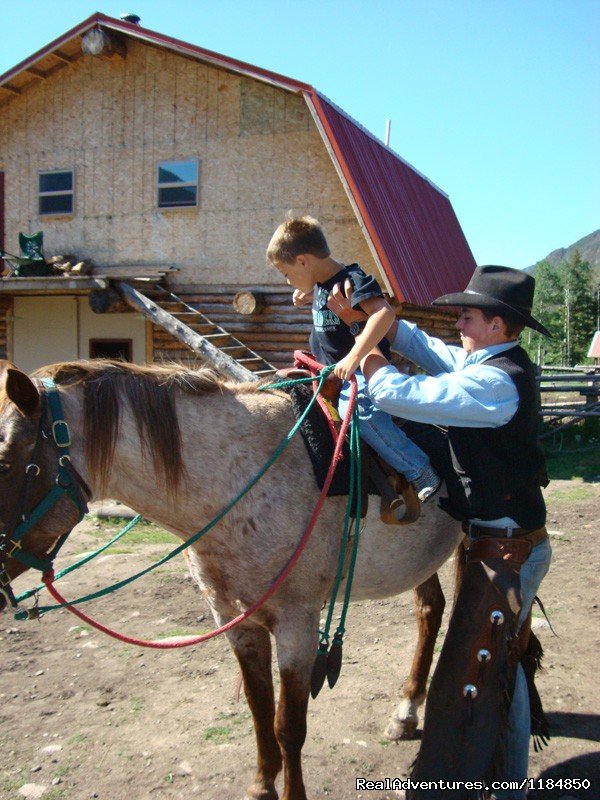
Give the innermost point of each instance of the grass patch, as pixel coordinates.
(573, 494)
(9, 786)
(137, 703)
(566, 466)
(217, 734)
(79, 738)
(56, 793)
(143, 533)
(82, 628)
(181, 632)
(574, 452)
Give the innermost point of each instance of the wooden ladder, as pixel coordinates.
(195, 330)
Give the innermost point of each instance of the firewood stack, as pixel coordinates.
(69, 265)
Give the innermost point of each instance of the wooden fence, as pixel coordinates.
(566, 397)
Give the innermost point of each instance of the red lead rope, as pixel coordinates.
(302, 359)
(48, 579)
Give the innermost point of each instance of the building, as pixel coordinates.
(167, 167)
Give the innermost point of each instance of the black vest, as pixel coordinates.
(504, 467)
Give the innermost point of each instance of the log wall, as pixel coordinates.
(279, 328)
(5, 312)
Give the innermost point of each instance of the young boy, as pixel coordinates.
(299, 250)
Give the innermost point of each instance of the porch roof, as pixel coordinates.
(79, 284)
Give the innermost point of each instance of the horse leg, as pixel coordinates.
(252, 646)
(429, 607)
(296, 654)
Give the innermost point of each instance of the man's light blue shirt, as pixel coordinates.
(461, 390)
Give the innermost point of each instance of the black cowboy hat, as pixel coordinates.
(498, 289)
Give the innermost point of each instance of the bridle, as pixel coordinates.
(53, 429)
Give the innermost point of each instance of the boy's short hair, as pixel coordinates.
(297, 236)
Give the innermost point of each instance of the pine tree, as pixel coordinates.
(579, 309)
(565, 302)
(547, 309)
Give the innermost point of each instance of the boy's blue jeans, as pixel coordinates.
(379, 430)
(517, 759)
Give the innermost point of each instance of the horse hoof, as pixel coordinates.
(401, 729)
(257, 792)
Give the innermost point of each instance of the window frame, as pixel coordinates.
(60, 193)
(96, 341)
(177, 184)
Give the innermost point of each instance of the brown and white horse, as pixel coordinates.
(177, 446)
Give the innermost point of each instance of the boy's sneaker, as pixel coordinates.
(427, 484)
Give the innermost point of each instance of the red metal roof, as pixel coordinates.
(409, 222)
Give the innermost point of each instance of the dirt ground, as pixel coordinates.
(83, 716)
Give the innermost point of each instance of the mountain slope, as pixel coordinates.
(589, 250)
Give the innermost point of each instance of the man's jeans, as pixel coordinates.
(378, 429)
(532, 573)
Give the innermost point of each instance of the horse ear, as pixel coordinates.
(19, 389)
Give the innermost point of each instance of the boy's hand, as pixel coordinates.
(340, 302)
(300, 298)
(346, 368)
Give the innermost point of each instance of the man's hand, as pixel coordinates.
(346, 368)
(340, 302)
(300, 298)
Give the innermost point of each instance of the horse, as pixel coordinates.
(176, 445)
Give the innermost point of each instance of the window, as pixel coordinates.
(56, 192)
(119, 349)
(178, 183)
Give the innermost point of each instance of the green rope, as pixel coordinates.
(354, 488)
(343, 547)
(279, 450)
(356, 447)
(31, 592)
(84, 560)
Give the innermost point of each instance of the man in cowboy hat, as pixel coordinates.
(485, 394)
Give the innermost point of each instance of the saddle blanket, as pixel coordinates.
(320, 445)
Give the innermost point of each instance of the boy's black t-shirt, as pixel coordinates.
(331, 339)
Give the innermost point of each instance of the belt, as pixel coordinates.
(496, 542)
(535, 535)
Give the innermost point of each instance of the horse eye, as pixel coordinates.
(4, 467)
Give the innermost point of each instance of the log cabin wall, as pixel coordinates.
(5, 314)
(279, 328)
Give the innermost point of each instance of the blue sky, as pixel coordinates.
(496, 101)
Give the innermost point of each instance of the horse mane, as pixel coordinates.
(150, 391)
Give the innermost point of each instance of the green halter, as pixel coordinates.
(66, 482)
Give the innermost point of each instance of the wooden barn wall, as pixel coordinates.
(113, 121)
(279, 328)
(5, 313)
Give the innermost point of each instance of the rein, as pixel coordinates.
(67, 482)
(48, 576)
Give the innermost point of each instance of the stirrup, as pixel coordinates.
(404, 495)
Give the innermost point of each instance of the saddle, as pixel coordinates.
(318, 432)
